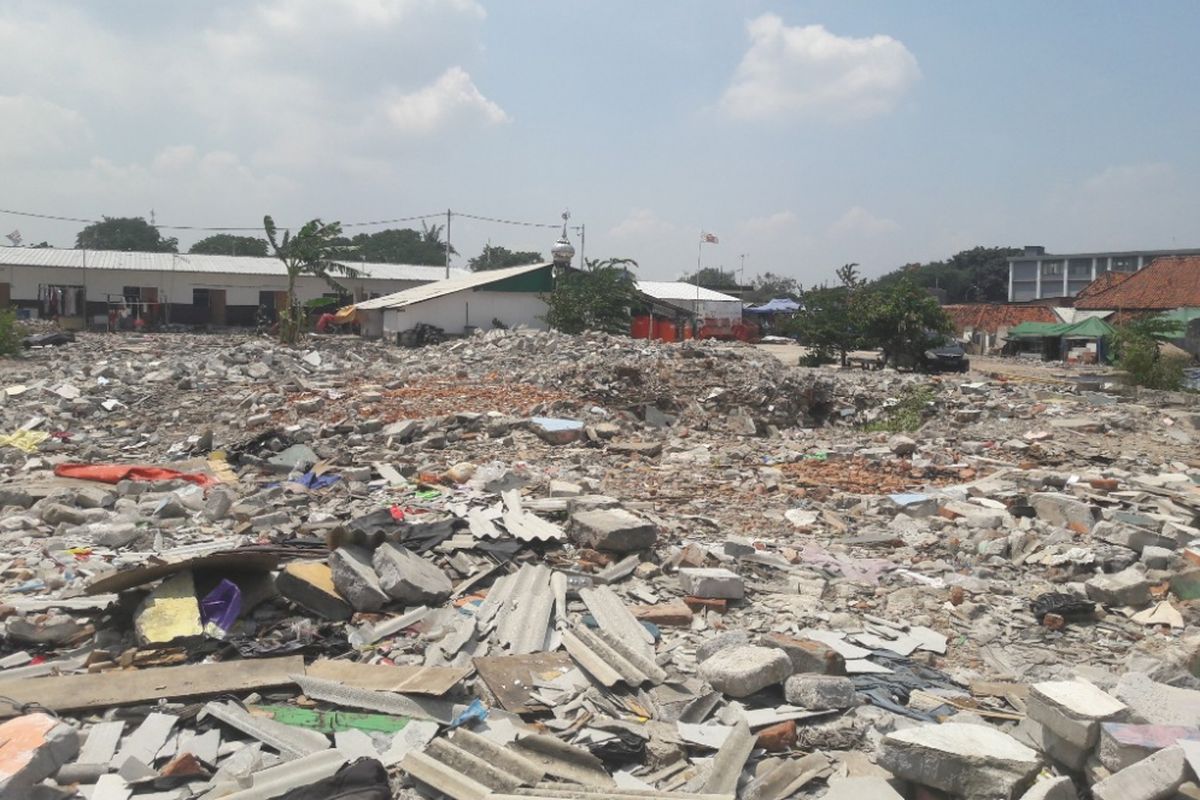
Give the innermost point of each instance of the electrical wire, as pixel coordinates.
(259, 227)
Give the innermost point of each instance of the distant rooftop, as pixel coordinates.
(188, 262)
(1037, 251)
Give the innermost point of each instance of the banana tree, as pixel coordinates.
(311, 251)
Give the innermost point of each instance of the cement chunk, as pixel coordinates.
(712, 582)
(1064, 510)
(1060, 788)
(1073, 710)
(742, 671)
(408, 578)
(1153, 778)
(820, 692)
(1157, 703)
(309, 584)
(970, 760)
(1126, 588)
(612, 529)
(356, 580)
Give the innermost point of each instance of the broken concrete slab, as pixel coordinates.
(613, 529)
(1073, 710)
(32, 748)
(741, 671)
(309, 584)
(1153, 778)
(963, 759)
(355, 579)
(408, 578)
(1156, 703)
(1065, 511)
(1128, 587)
(712, 582)
(1124, 744)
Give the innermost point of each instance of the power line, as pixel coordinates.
(369, 223)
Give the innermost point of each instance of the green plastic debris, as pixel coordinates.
(332, 721)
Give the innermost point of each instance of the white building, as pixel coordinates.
(176, 288)
(474, 301)
(705, 304)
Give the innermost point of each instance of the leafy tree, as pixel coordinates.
(41, 246)
(10, 332)
(124, 233)
(310, 252)
(768, 286)
(500, 257)
(903, 320)
(827, 325)
(399, 246)
(1139, 355)
(225, 244)
(978, 275)
(713, 278)
(848, 275)
(598, 297)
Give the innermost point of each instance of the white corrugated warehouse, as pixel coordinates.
(181, 288)
(475, 301)
(704, 303)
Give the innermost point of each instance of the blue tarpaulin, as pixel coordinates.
(778, 305)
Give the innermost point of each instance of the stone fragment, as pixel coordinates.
(1131, 536)
(218, 503)
(56, 513)
(32, 748)
(807, 655)
(1064, 510)
(1156, 557)
(717, 643)
(713, 582)
(355, 579)
(556, 431)
(1124, 744)
(1156, 703)
(15, 496)
(408, 578)
(963, 759)
(1125, 588)
(1153, 778)
(169, 612)
(298, 455)
(309, 584)
(902, 445)
(1060, 788)
(742, 671)
(1073, 710)
(613, 529)
(820, 692)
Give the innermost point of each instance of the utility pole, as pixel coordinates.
(742, 268)
(447, 244)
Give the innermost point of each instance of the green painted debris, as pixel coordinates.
(332, 721)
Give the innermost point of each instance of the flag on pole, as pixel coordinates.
(709, 238)
(15, 238)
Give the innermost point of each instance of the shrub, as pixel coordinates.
(10, 333)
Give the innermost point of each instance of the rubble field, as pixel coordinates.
(534, 565)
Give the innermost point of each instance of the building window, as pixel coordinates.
(1124, 264)
(200, 297)
(1052, 269)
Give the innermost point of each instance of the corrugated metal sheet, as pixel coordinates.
(610, 660)
(460, 283)
(678, 290)
(181, 262)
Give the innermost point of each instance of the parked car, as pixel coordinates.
(946, 357)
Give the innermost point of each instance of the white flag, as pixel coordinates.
(15, 238)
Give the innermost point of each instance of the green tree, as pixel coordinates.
(225, 244)
(10, 332)
(978, 275)
(399, 246)
(310, 252)
(599, 297)
(712, 278)
(903, 320)
(768, 286)
(124, 233)
(1137, 346)
(826, 325)
(500, 257)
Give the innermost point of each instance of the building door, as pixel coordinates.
(216, 306)
(5, 294)
(150, 309)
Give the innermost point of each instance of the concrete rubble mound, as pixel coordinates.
(527, 564)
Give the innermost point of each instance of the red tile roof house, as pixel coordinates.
(985, 324)
(1169, 283)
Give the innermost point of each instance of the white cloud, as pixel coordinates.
(806, 70)
(858, 222)
(641, 223)
(32, 128)
(451, 99)
(773, 223)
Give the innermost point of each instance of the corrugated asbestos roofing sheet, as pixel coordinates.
(464, 281)
(184, 262)
(678, 290)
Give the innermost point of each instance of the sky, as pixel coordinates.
(805, 135)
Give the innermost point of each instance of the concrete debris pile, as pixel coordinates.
(235, 570)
